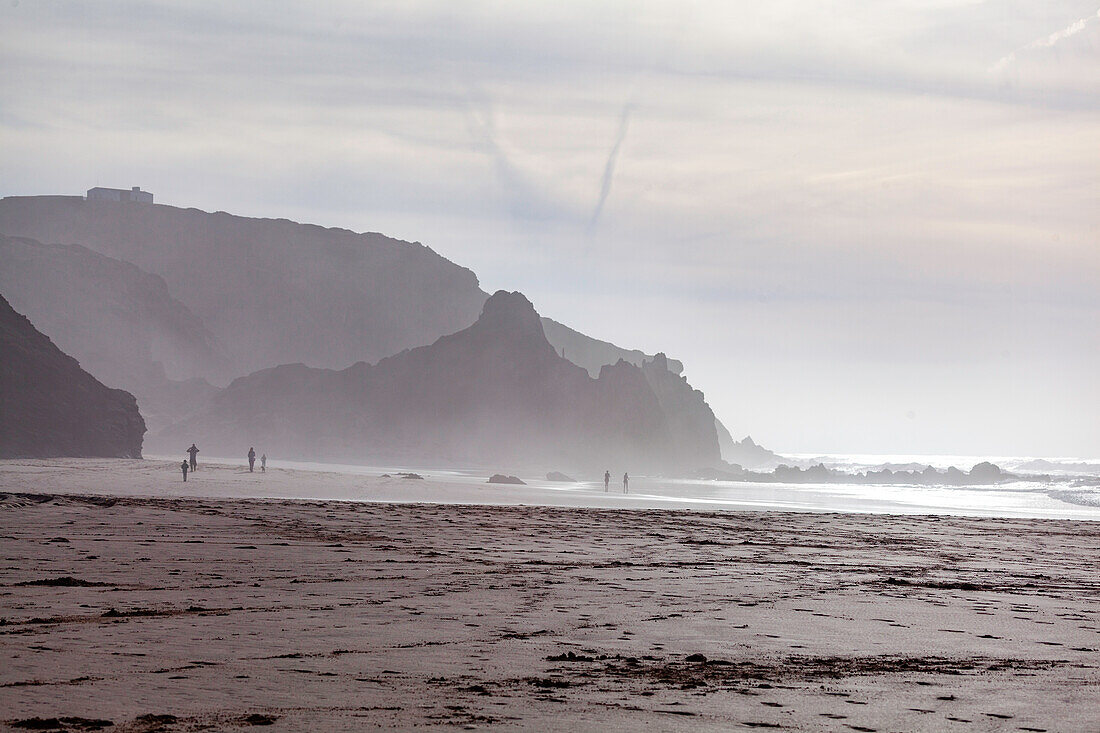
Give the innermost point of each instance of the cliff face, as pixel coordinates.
(111, 315)
(745, 452)
(593, 354)
(50, 407)
(494, 394)
(271, 291)
(155, 299)
(118, 321)
(690, 418)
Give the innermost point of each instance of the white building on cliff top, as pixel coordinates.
(135, 194)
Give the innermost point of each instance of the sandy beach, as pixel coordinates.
(178, 613)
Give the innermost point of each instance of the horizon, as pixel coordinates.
(857, 234)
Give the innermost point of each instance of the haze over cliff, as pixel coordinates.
(494, 394)
(118, 321)
(51, 407)
(164, 301)
(273, 291)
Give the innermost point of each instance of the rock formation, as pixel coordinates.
(496, 393)
(272, 291)
(593, 354)
(118, 321)
(745, 452)
(50, 407)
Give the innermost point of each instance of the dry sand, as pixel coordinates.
(179, 614)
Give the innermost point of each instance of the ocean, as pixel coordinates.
(1073, 491)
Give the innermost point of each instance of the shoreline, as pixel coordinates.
(158, 478)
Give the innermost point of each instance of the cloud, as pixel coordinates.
(609, 167)
(1044, 42)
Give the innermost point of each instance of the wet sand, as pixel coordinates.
(180, 614)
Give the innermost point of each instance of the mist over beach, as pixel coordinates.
(606, 366)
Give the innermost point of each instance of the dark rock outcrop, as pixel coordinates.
(690, 420)
(983, 474)
(500, 478)
(745, 452)
(50, 407)
(494, 393)
(118, 321)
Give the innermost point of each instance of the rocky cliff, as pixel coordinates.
(118, 321)
(594, 354)
(270, 291)
(50, 407)
(494, 394)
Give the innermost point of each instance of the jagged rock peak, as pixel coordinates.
(510, 312)
(660, 361)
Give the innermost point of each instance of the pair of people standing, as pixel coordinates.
(252, 461)
(607, 481)
(191, 464)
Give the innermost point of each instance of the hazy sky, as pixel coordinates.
(863, 226)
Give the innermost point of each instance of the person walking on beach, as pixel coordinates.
(251, 459)
(263, 463)
(184, 467)
(626, 482)
(193, 452)
(606, 480)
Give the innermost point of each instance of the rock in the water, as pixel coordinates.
(557, 476)
(500, 478)
(985, 473)
(50, 407)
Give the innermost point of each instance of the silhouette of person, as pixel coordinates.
(184, 467)
(626, 482)
(193, 452)
(251, 459)
(263, 463)
(606, 479)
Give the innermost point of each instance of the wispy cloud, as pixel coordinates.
(609, 167)
(1045, 42)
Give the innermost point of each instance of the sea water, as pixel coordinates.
(1071, 493)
